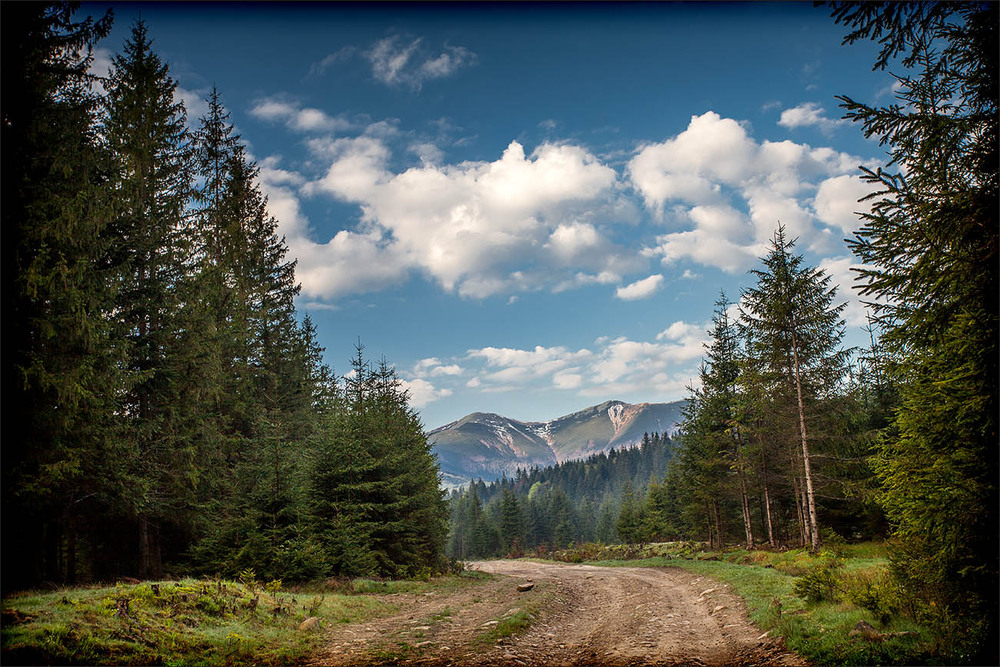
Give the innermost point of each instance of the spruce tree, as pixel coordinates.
(61, 366)
(145, 131)
(793, 327)
(930, 250)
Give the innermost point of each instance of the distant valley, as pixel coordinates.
(486, 445)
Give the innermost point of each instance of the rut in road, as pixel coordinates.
(584, 615)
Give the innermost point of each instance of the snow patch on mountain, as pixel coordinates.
(616, 413)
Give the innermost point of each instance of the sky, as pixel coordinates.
(530, 209)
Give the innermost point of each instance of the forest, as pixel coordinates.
(166, 407)
(168, 410)
(550, 508)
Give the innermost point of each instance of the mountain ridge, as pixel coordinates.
(487, 445)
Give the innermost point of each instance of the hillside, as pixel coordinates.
(487, 445)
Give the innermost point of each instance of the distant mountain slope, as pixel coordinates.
(486, 445)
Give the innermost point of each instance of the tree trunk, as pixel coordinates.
(145, 564)
(799, 507)
(747, 519)
(718, 522)
(708, 523)
(150, 559)
(807, 468)
(70, 555)
(744, 499)
(767, 500)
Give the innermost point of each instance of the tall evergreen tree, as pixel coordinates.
(930, 251)
(60, 360)
(145, 132)
(794, 328)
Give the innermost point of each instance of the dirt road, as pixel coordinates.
(580, 615)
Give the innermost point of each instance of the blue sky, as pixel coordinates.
(529, 209)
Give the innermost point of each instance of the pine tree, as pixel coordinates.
(511, 522)
(630, 519)
(60, 360)
(793, 327)
(930, 248)
(145, 132)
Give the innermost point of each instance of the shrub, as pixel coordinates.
(877, 592)
(820, 583)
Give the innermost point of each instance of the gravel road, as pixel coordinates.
(582, 615)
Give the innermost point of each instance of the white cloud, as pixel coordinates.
(539, 361)
(433, 367)
(396, 62)
(349, 263)
(567, 380)
(552, 218)
(808, 114)
(423, 392)
(613, 367)
(275, 175)
(296, 118)
(837, 202)
(724, 193)
(481, 228)
(447, 63)
(691, 166)
(195, 103)
(640, 289)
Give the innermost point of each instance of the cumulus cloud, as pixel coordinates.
(611, 367)
(397, 62)
(838, 204)
(808, 114)
(432, 367)
(297, 118)
(479, 228)
(423, 392)
(724, 193)
(640, 289)
(555, 217)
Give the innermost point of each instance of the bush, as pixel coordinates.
(819, 584)
(876, 592)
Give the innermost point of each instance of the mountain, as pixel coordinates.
(486, 445)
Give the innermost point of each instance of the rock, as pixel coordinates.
(310, 623)
(524, 588)
(865, 630)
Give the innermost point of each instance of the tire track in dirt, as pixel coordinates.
(584, 615)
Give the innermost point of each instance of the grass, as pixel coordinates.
(812, 602)
(190, 622)
(520, 619)
(443, 585)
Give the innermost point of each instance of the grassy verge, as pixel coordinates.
(188, 622)
(813, 602)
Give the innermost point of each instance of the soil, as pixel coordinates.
(580, 615)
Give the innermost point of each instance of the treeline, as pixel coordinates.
(777, 435)
(550, 508)
(164, 405)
